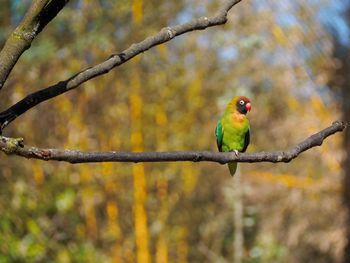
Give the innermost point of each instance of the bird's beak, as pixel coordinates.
(248, 106)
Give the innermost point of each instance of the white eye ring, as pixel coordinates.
(241, 102)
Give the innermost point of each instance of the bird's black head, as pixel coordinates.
(243, 105)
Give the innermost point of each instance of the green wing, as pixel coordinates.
(219, 133)
(246, 140)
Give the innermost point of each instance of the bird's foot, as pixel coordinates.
(236, 152)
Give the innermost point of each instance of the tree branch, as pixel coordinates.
(16, 146)
(39, 14)
(165, 35)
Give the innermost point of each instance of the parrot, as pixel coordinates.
(233, 129)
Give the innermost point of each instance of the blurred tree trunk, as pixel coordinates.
(346, 163)
(345, 90)
(140, 186)
(341, 81)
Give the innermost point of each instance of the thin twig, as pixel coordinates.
(16, 146)
(165, 35)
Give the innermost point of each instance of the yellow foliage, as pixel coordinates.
(18, 92)
(321, 110)
(137, 12)
(189, 177)
(135, 103)
(90, 217)
(163, 51)
(85, 173)
(112, 215)
(140, 214)
(141, 233)
(116, 253)
(193, 92)
(182, 245)
(136, 141)
(112, 211)
(64, 105)
(162, 251)
(107, 169)
(38, 172)
(287, 180)
(74, 64)
(161, 118)
(293, 103)
(279, 35)
(81, 231)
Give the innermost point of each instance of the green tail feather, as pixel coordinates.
(233, 168)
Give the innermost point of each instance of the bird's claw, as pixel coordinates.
(236, 152)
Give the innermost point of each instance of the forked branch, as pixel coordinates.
(16, 147)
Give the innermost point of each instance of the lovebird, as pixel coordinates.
(233, 129)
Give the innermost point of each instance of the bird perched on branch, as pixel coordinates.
(233, 130)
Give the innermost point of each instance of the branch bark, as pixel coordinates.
(16, 147)
(115, 60)
(39, 14)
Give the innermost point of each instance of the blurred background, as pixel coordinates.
(290, 58)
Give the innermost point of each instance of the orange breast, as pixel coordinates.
(238, 117)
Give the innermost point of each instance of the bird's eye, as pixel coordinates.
(241, 102)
